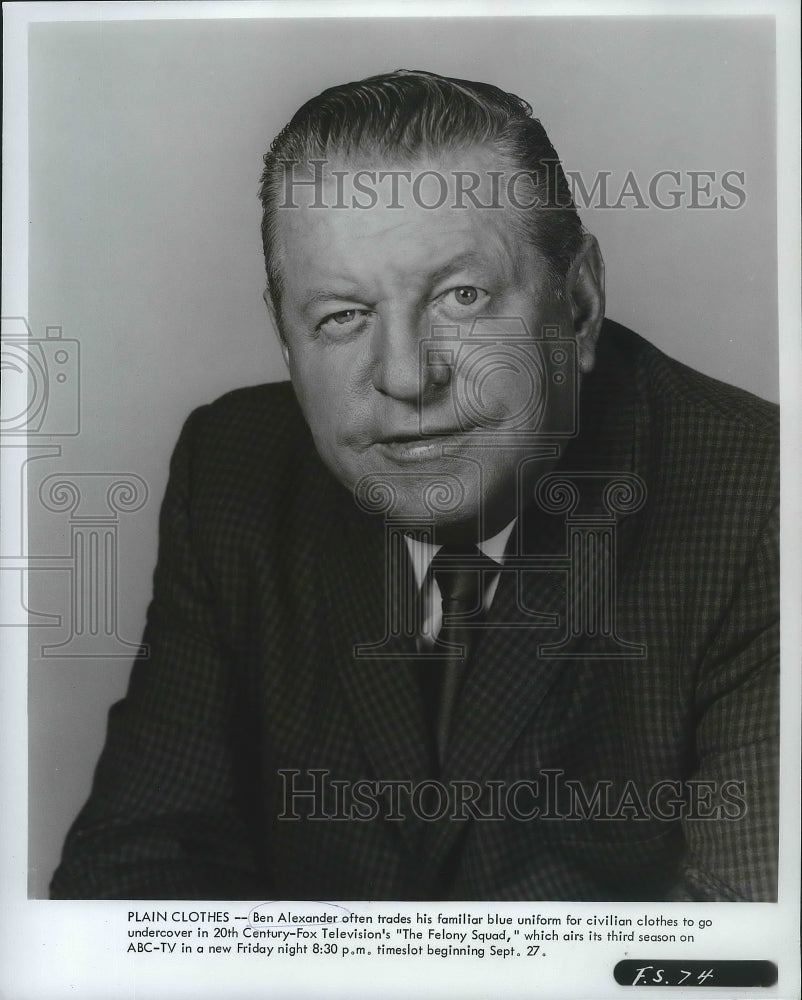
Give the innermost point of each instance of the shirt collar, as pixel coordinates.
(421, 553)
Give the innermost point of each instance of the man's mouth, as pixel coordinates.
(409, 447)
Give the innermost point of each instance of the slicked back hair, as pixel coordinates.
(401, 116)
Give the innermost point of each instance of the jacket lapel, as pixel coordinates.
(373, 659)
(508, 680)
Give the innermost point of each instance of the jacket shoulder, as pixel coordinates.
(249, 449)
(259, 427)
(673, 388)
(268, 413)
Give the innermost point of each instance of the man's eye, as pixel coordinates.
(466, 295)
(343, 321)
(346, 316)
(456, 300)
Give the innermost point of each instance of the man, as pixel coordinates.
(483, 605)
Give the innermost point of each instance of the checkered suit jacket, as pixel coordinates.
(646, 777)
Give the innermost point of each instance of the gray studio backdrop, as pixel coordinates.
(145, 151)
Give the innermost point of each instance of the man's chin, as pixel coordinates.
(432, 488)
(441, 506)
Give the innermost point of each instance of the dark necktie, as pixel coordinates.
(462, 575)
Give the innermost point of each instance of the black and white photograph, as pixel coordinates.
(401, 475)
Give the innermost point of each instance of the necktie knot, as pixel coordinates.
(461, 576)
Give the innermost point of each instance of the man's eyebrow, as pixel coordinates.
(328, 295)
(469, 258)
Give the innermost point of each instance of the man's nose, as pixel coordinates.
(398, 370)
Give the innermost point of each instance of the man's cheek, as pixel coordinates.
(316, 396)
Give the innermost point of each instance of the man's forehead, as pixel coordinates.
(349, 218)
(412, 240)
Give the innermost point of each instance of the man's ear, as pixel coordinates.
(584, 288)
(285, 350)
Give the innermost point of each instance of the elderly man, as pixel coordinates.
(483, 604)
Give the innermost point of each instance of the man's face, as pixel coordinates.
(379, 316)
